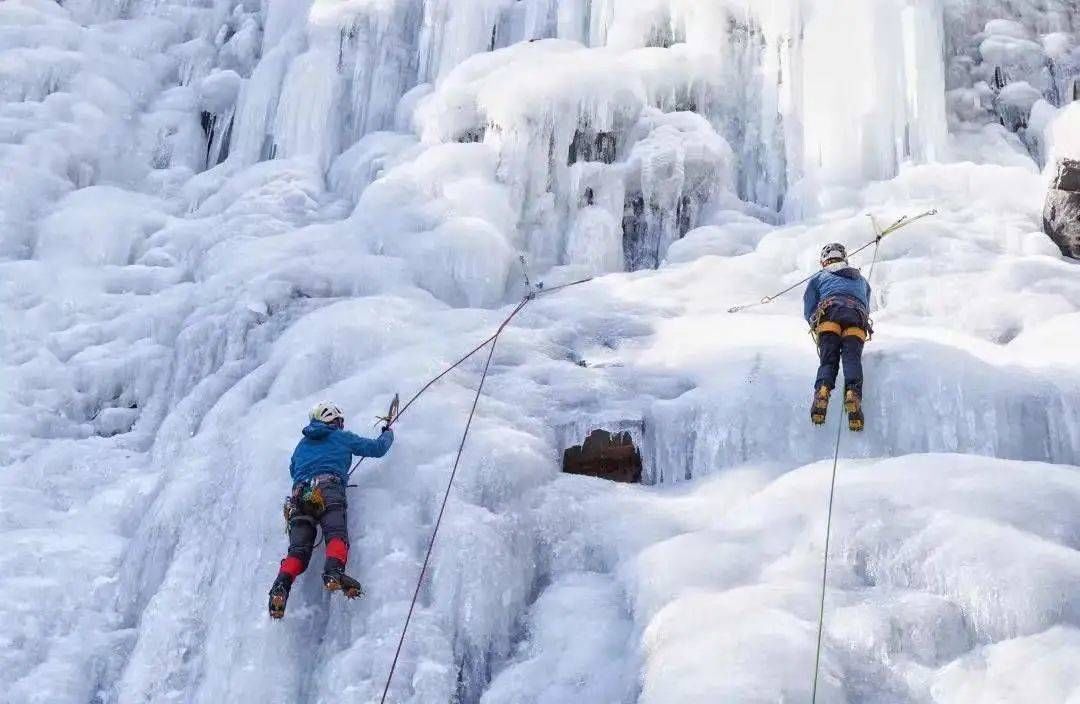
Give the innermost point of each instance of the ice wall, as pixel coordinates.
(215, 213)
(1015, 64)
(768, 78)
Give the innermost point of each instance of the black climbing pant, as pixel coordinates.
(834, 348)
(334, 522)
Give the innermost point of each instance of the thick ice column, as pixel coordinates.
(217, 100)
(258, 102)
(924, 41)
(873, 84)
(574, 20)
(627, 24)
(527, 20)
(845, 112)
(594, 239)
(307, 123)
(381, 45)
(282, 18)
(781, 98)
(454, 30)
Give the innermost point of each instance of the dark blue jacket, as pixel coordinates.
(326, 450)
(826, 284)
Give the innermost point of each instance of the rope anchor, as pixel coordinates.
(878, 236)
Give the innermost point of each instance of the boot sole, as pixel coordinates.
(277, 607)
(332, 584)
(856, 423)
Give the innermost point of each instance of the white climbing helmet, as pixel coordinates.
(833, 252)
(327, 412)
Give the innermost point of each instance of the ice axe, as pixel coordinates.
(391, 413)
(391, 416)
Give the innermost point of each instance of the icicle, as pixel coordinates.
(890, 99)
(453, 31)
(381, 49)
(258, 103)
(307, 123)
(217, 98)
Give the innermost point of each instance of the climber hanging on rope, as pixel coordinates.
(836, 305)
(320, 474)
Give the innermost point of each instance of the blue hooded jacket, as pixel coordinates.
(826, 284)
(325, 449)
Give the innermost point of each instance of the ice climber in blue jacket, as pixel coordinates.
(836, 304)
(320, 475)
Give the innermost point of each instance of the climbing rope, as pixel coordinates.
(836, 458)
(540, 291)
(492, 341)
(901, 223)
(438, 520)
(825, 569)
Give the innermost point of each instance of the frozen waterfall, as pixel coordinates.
(216, 213)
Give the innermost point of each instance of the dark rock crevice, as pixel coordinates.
(605, 455)
(1061, 217)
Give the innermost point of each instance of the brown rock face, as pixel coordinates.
(1061, 217)
(605, 456)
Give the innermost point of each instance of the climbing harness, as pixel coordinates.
(836, 459)
(306, 502)
(289, 511)
(492, 341)
(837, 329)
(309, 497)
(880, 234)
(864, 331)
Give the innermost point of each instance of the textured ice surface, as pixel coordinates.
(215, 213)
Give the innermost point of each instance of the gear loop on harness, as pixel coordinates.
(818, 325)
(294, 513)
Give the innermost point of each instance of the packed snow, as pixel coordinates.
(216, 213)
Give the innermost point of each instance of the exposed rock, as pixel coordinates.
(606, 456)
(1061, 217)
(589, 145)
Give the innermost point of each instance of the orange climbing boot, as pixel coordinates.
(335, 579)
(820, 406)
(853, 406)
(279, 595)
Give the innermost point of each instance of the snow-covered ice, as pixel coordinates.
(215, 213)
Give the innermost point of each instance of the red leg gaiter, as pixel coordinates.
(292, 566)
(338, 549)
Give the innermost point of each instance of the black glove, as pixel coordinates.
(386, 428)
